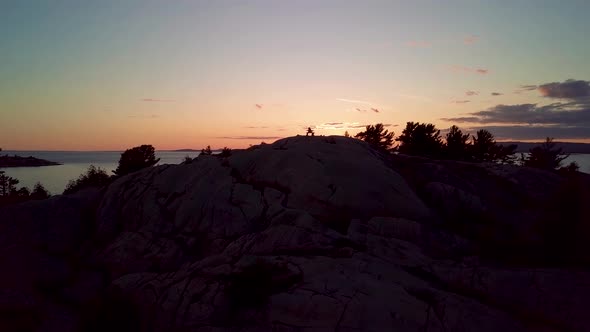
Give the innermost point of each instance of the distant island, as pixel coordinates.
(18, 161)
(567, 147)
(188, 150)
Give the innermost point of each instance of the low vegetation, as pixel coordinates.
(10, 194)
(187, 160)
(225, 152)
(94, 177)
(206, 151)
(545, 156)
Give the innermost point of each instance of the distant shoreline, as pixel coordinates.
(18, 161)
(567, 147)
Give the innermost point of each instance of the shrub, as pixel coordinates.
(545, 156)
(94, 177)
(206, 151)
(506, 154)
(39, 192)
(571, 168)
(377, 136)
(135, 159)
(9, 194)
(187, 160)
(226, 152)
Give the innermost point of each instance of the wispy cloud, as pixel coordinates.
(471, 93)
(256, 127)
(155, 100)
(464, 69)
(354, 101)
(460, 101)
(258, 106)
(469, 40)
(525, 88)
(373, 109)
(344, 125)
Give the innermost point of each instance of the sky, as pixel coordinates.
(111, 74)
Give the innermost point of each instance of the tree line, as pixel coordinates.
(425, 140)
(132, 160)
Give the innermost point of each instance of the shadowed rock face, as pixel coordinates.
(306, 234)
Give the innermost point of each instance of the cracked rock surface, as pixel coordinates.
(305, 234)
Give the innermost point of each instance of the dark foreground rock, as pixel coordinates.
(18, 161)
(306, 234)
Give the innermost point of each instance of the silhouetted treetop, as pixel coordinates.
(484, 146)
(377, 136)
(7, 184)
(135, 159)
(420, 139)
(39, 192)
(545, 156)
(457, 144)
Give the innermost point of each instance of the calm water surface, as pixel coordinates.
(55, 178)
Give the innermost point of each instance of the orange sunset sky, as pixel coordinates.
(107, 75)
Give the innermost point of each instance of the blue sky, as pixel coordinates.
(190, 73)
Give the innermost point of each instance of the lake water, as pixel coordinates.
(55, 178)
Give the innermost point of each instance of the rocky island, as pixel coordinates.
(305, 234)
(18, 161)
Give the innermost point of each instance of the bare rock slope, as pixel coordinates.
(305, 234)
